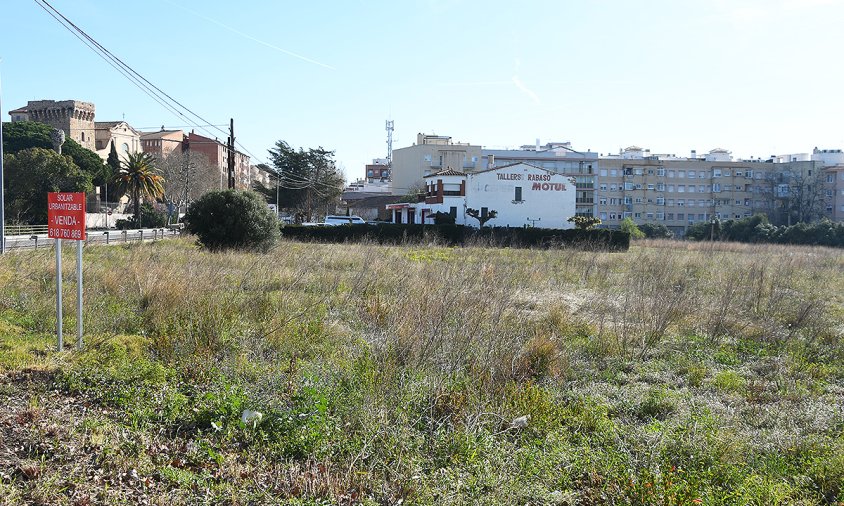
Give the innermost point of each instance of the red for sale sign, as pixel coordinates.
(66, 216)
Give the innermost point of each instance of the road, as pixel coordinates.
(21, 242)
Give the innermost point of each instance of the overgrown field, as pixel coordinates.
(670, 374)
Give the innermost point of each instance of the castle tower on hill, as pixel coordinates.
(74, 117)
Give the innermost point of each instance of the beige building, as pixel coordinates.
(218, 154)
(679, 191)
(160, 144)
(431, 154)
(73, 117)
(125, 138)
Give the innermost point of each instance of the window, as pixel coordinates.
(726, 173)
(701, 188)
(125, 148)
(628, 200)
(660, 172)
(692, 173)
(650, 172)
(603, 187)
(660, 187)
(649, 216)
(681, 202)
(830, 178)
(681, 188)
(669, 216)
(602, 201)
(669, 202)
(651, 187)
(628, 186)
(671, 188)
(638, 186)
(613, 172)
(613, 188)
(452, 211)
(638, 200)
(716, 173)
(681, 173)
(614, 201)
(691, 202)
(681, 216)
(518, 194)
(603, 172)
(716, 187)
(638, 172)
(691, 188)
(660, 201)
(739, 173)
(670, 173)
(701, 203)
(613, 216)
(702, 174)
(660, 216)
(603, 216)
(628, 214)
(82, 136)
(637, 215)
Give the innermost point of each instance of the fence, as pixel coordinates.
(25, 229)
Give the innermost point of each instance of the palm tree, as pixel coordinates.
(138, 178)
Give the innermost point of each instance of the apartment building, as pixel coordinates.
(160, 144)
(218, 154)
(431, 154)
(681, 191)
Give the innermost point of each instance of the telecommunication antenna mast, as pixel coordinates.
(390, 143)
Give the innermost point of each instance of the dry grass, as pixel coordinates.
(674, 372)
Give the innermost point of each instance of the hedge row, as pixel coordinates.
(457, 235)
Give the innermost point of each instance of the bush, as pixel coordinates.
(629, 226)
(658, 231)
(453, 235)
(232, 219)
(150, 218)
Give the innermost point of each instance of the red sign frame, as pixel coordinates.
(66, 216)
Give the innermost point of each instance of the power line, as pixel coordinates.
(136, 78)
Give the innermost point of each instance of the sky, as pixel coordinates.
(758, 77)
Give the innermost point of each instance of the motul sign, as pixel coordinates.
(66, 216)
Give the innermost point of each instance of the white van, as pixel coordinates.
(334, 220)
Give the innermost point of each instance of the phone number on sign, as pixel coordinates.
(60, 233)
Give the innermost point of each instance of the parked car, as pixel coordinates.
(334, 220)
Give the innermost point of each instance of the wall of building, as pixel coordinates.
(430, 155)
(73, 117)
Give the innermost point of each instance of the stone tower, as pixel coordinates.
(75, 118)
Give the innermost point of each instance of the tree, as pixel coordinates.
(584, 222)
(113, 160)
(481, 216)
(232, 219)
(656, 231)
(187, 176)
(139, 178)
(629, 226)
(309, 181)
(88, 161)
(32, 173)
(798, 195)
(22, 135)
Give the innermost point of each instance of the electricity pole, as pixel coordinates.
(231, 154)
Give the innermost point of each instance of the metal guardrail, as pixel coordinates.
(25, 229)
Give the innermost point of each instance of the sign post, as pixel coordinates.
(66, 220)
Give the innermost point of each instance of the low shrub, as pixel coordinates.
(232, 219)
(455, 235)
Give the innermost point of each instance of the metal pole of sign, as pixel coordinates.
(59, 293)
(2, 203)
(78, 295)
